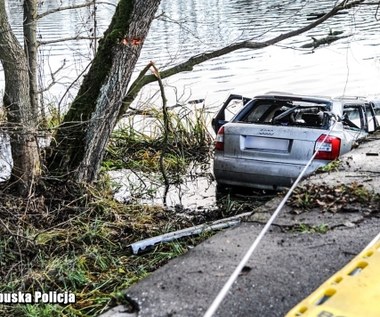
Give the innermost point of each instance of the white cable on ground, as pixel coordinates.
(372, 243)
(223, 292)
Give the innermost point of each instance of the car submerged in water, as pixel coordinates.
(270, 138)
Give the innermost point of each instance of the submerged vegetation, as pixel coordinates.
(187, 140)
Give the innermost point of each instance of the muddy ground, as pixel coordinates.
(329, 220)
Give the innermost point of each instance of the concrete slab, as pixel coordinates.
(284, 270)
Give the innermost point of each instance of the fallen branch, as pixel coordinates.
(323, 41)
(142, 245)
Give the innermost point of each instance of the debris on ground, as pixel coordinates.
(352, 197)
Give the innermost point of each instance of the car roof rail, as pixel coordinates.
(307, 98)
(275, 92)
(283, 93)
(352, 98)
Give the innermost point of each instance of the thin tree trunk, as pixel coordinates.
(86, 129)
(30, 48)
(21, 119)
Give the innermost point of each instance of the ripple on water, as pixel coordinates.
(350, 66)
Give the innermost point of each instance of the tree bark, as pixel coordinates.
(30, 48)
(81, 139)
(21, 119)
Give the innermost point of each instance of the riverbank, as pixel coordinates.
(332, 218)
(75, 240)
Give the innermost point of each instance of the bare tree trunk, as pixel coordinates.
(82, 138)
(30, 48)
(21, 118)
(114, 89)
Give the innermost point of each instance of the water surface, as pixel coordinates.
(350, 66)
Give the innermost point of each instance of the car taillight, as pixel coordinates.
(329, 147)
(219, 140)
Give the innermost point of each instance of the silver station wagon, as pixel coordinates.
(269, 139)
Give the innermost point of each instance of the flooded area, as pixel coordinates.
(194, 195)
(196, 189)
(350, 66)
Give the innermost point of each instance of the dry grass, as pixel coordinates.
(76, 240)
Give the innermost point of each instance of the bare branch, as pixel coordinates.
(71, 7)
(188, 65)
(52, 75)
(156, 73)
(77, 6)
(71, 85)
(107, 3)
(134, 90)
(73, 38)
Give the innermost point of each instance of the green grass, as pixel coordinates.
(305, 228)
(52, 120)
(41, 310)
(330, 167)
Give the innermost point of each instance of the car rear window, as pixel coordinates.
(286, 113)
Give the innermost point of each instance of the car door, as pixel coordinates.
(230, 108)
(355, 120)
(376, 107)
(371, 117)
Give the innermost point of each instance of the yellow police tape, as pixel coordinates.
(354, 291)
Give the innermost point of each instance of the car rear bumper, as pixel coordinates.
(259, 174)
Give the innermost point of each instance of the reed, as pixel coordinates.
(188, 139)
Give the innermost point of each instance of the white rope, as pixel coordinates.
(372, 243)
(223, 292)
